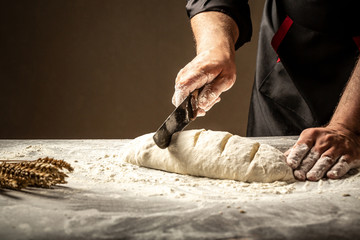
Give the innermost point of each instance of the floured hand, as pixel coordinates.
(330, 151)
(214, 70)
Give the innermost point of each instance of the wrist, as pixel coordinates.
(224, 50)
(346, 128)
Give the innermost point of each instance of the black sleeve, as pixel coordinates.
(237, 9)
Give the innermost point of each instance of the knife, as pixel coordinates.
(177, 121)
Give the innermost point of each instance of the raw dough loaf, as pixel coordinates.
(212, 154)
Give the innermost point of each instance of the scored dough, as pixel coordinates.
(213, 154)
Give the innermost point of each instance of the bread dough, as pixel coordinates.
(212, 154)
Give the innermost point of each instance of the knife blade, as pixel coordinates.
(177, 121)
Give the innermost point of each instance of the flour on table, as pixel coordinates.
(99, 166)
(213, 154)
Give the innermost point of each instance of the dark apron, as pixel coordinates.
(307, 51)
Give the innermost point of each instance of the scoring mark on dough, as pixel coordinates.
(196, 137)
(225, 141)
(254, 150)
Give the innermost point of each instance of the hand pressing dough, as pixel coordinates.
(212, 154)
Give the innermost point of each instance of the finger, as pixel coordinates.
(195, 76)
(286, 154)
(210, 105)
(325, 162)
(178, 97)
(308, 162)
(183, 88)
(339, 169)
(211, 92)
(206, 97)
(344, 164)
(200, 112)
(296, 155)
(189, 79)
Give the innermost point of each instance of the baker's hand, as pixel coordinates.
(330, 151)
(213, 69)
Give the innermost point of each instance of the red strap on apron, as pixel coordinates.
(283, 30)
(281, 33)
(357, 41)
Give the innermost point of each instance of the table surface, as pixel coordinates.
(108, 199)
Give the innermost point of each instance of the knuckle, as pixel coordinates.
(182, 70)
(229, 83)
(343, 165)
(231, 79)
(328, 139)
(180, 75)
(308, 132)
(344, 158)
(328, 157)
(327, 160)
(306, 137)
(319, 148)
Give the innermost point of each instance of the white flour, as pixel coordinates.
(148, 182)
(101, 168)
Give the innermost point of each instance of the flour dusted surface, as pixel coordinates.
(212, 154)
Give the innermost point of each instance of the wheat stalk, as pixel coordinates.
(44, 172)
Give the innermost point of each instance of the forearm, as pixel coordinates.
(214, 29)
(347, 114)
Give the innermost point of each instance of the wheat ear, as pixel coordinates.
(43, 172)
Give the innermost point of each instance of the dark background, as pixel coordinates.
(104, 69)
